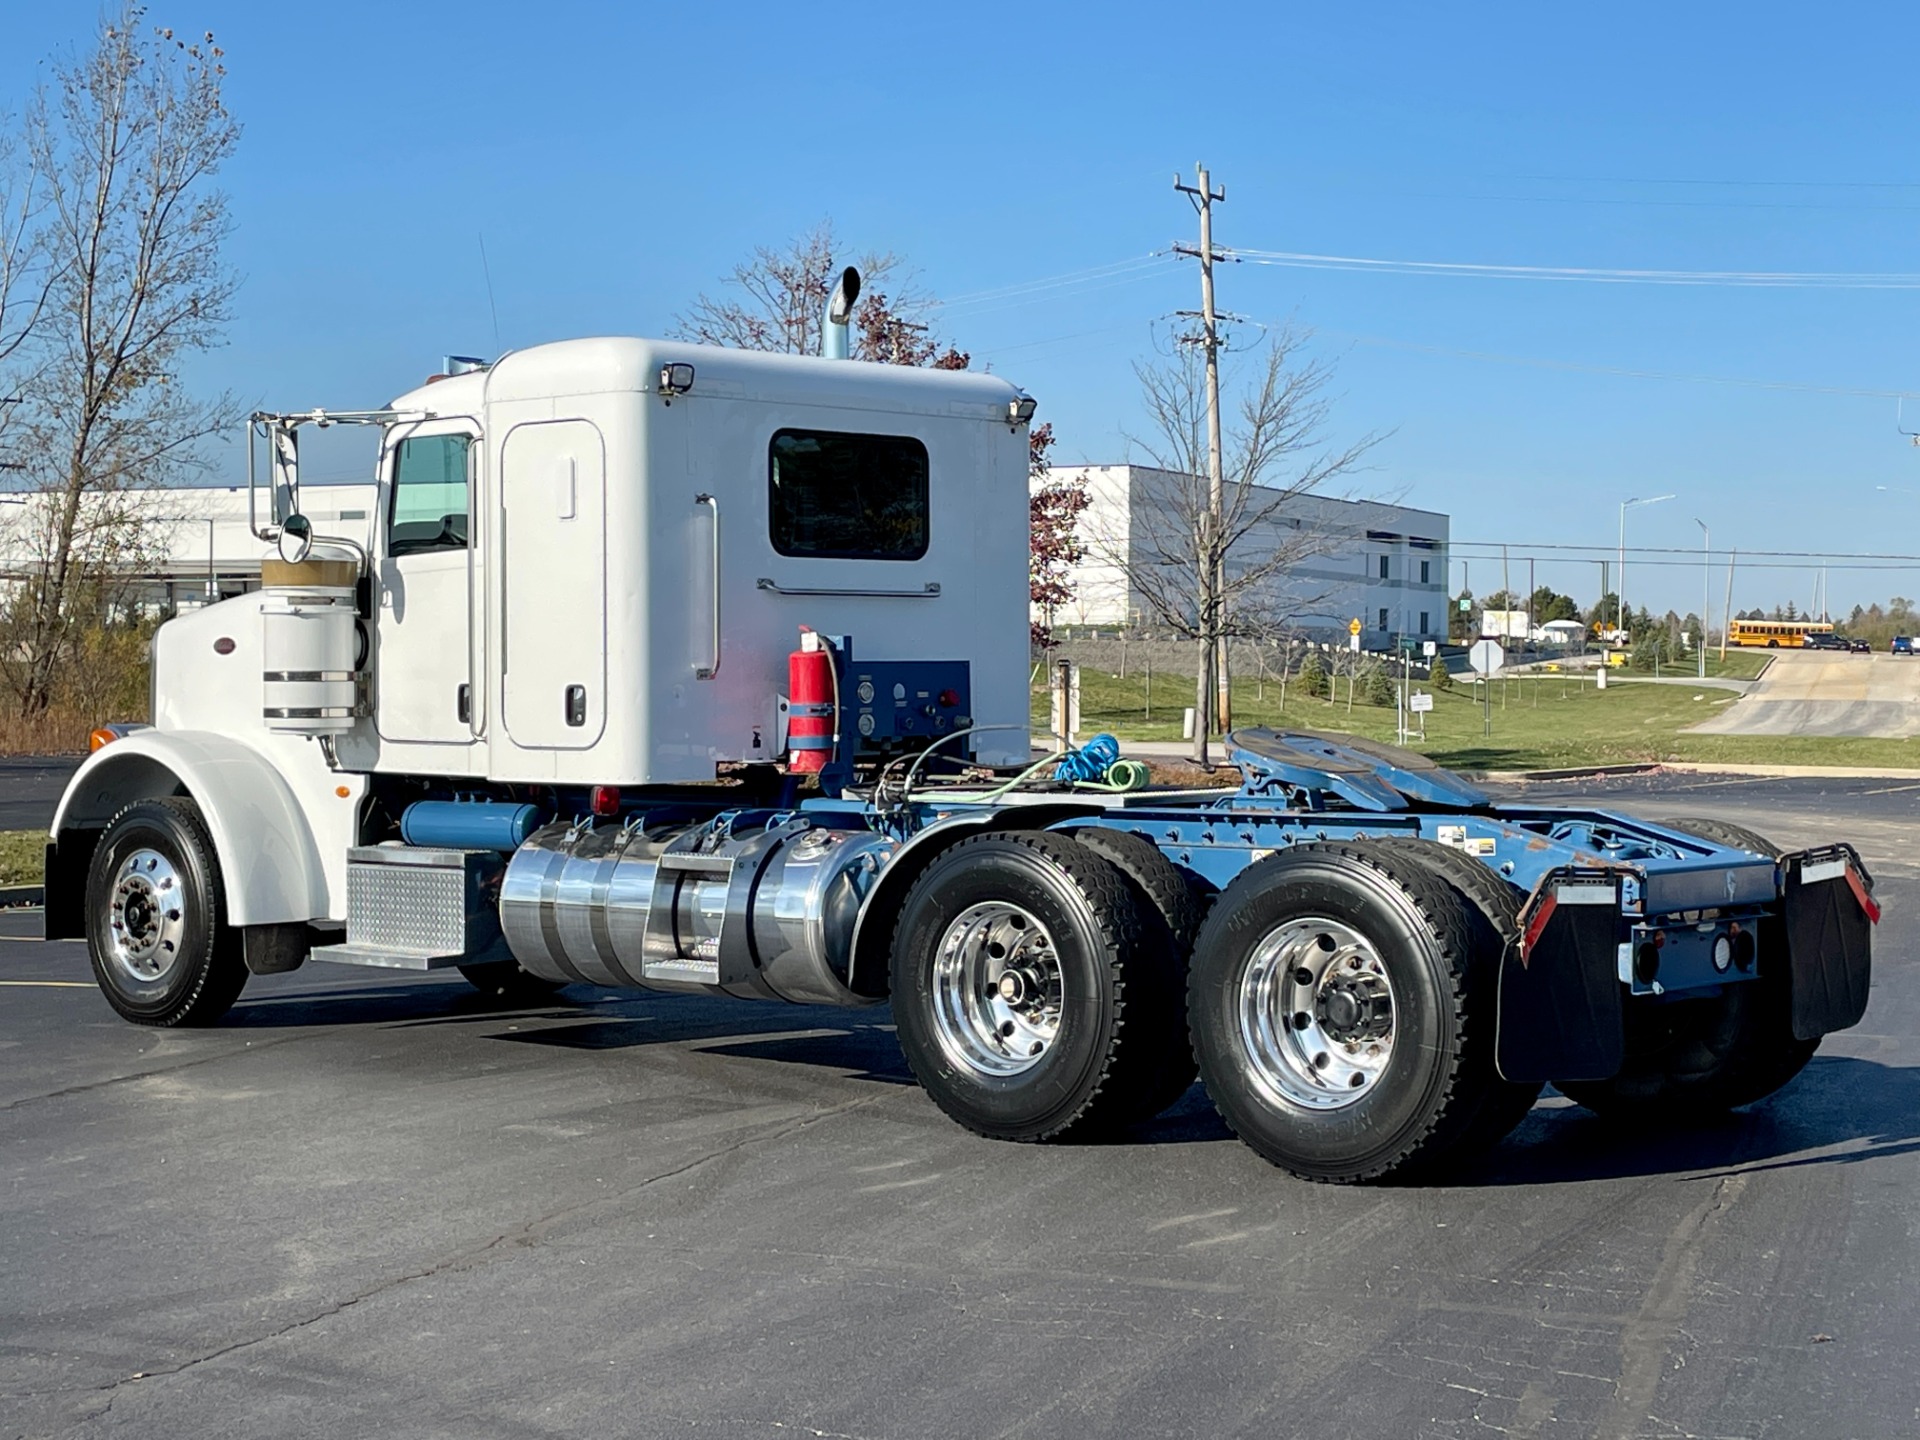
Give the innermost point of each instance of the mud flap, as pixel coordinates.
(1830, 914)
(1560, 1009)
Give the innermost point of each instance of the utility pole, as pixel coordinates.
(1213, 607)
(1727, 621)
(1706, 589)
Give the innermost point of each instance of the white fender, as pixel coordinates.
(268, 859)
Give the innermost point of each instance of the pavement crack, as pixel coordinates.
(252, 1048)
(526, 1234)
(1648, 1336)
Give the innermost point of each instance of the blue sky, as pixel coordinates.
(619, 159)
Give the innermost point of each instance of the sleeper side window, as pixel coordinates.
(429, 509)
(836, 496)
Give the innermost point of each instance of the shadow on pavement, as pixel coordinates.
(1857, 1110)
(1839, 1111)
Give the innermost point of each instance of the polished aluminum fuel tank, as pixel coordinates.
(764, 911)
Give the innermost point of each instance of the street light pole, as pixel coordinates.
(1706, 588)
(1620, 597)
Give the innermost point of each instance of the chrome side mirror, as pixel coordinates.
(285, 464)
(296, 538)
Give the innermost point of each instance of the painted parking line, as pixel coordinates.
(49, 984)
(36, 940)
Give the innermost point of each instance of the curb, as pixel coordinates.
(1795, 772)
(11, 895)
(1576, 772)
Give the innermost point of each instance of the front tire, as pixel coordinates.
(1016, 972)
(157, 932)
(1340, 1027)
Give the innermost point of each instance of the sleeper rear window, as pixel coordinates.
(848, 497)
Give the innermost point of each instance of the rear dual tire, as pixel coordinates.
(1029, 993)
(1342, 1005)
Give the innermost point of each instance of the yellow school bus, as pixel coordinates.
(1776, 634)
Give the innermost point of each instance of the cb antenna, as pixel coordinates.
(486, 272)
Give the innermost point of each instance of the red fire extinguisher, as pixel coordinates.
(811, 717)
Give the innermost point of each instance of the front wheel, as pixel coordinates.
(157, 935)
(1336, 1014)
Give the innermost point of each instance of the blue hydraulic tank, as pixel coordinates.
(468, 824)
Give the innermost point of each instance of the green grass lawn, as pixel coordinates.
(1739, 665)
(23, 854)
(1536, 722)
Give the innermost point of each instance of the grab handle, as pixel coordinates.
(707, 672)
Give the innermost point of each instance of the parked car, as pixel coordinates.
(1860, 647)
(1902, 645)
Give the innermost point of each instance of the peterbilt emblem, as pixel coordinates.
(1733, 884)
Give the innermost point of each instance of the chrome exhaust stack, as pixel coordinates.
(833, 324)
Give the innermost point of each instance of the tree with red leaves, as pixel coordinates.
(1053, 510)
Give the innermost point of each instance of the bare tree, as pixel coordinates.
(782, 292)
(25, 277)
(1276, 455)
(124, 145)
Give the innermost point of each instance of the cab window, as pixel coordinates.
(429, 508)
(848, 497)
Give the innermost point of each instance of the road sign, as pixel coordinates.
(1430, 649)
(1353, 626)
(1353, 642)
(1486, 657)
(1418, 701)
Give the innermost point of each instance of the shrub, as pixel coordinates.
(1380, 689)
(1313, 676)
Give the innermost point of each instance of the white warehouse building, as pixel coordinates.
(195, 542)
(1343, 560)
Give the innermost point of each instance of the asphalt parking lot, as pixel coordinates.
(367, 1205)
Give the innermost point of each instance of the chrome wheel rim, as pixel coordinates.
(146, 917)
(1317, 1014)
(997, 990)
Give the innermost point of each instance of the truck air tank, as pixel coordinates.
(468, 824)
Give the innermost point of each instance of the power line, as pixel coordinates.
(1598, 275)
(1604, 550)
(1694, 563)
(1625, 371)
(1027, 288)
(1730, 184)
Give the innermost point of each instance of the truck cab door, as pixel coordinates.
(423, 620)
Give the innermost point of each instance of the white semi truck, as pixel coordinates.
(686, 669)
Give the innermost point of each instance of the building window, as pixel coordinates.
(848, 497)
(429, 506)
(1424, 627)
(1425, 578)
(1383, 617)
(1383, 570)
